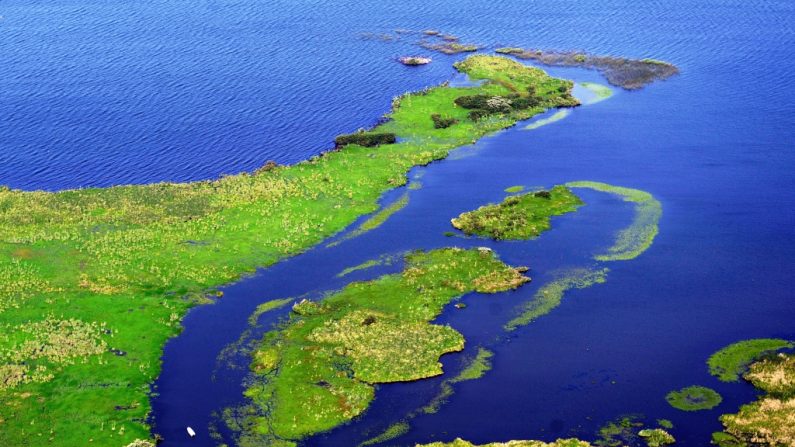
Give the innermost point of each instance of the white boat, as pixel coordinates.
(191, 433)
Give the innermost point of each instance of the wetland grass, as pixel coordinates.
(318, 370)
(522, 216)
(730, 362)
(132, 260)
(694, 398)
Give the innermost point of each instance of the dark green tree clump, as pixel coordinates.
(442, 122)
(366, 139)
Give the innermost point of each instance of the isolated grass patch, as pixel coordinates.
(318, 370)
(550, 295)
(137, 257)
(395, 430)
(514, 189)
(523, 216)
(656, 437)
(694, 398)
(632, 241)
(730, 362)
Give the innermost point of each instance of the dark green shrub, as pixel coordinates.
(365, 139)
(543, 194)
(442, 122)
(472, 101)
(525, 102)
(477, 114)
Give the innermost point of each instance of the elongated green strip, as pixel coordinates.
(376, 220)
(550, 295)
(632, 241)
(555, 117)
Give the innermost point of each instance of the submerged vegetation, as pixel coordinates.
(318, 370)
(600, 92)
(632, 241)
(694, 398)
(450, 47)
(523, 216)
(555, 117)
(630, 74)
(550, 295)
(730, 362)
(122, 265)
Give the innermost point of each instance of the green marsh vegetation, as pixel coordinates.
(694, 398)
(522, 216)
(514, 189)
(550, 295)
(656, 437)
(769, 421)
(630, 74)
(376, 220)
(127, 262)
(730, 362)
(632, 241)
(318, 370)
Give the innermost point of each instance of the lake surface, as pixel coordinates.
(99, 93)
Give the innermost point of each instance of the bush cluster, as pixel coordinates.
(366, 139)
(442, 122)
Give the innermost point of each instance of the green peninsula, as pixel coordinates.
(122, 265)
(318, 370)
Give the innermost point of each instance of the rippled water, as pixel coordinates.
(100, 93)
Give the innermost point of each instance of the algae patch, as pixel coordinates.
(694, 398)
(598, 92)
(550, 295)
(555, 117)
(632, 241)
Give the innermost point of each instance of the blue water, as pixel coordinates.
(99, 93)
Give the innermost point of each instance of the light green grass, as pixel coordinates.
(550, 295)
(376, 220)
(632, 241)
(394, 431)
(558, 443)
(318, 371)
(127, 257)
(514, 189)
(731, 361)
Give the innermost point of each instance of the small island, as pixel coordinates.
(522, 216)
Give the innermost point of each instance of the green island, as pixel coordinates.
(769, 421)
(119, 267)
(318, 370)
(730, 362)
(638, 236)
(630, 74)
(521, 216)
(694, 398)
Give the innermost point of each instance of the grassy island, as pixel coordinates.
(118, 267)
(318, 370)
(522, 216)
(694, 398)
(769, 421)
